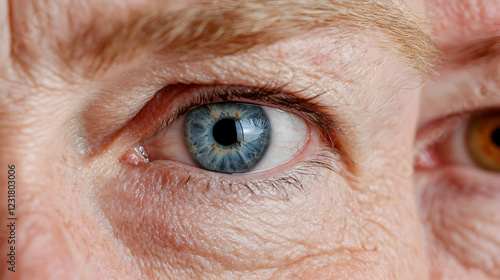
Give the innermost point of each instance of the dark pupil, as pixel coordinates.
(496, 137)
(224, 132)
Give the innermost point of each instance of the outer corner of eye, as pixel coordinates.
(232, 137)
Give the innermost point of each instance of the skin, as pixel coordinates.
(102, 217)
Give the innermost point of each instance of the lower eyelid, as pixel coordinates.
(168, 206)
(458, 199)
(188, 182)
(465, 180)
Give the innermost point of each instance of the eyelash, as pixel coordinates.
(278, 187)
(306, 108)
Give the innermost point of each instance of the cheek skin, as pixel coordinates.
(224, 232)
(460, 216)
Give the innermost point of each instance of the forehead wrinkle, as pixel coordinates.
(226, 27)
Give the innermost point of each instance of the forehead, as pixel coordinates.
(105, 31)
(456, 22)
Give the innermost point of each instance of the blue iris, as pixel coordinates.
(227, 137)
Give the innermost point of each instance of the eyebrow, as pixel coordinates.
(226, 27)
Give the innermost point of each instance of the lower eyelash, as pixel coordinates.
(281, 187)
(178, 181)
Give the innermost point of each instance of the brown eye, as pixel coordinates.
(483, 141)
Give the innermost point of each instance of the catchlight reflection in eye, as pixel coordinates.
(231, 137)
(483, 141)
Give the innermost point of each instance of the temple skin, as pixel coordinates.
(80, 90)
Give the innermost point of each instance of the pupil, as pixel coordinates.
(496, 137)
(224, 132)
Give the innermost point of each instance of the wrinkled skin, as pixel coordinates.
(86, 213)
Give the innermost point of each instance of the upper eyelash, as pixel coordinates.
(307, 108)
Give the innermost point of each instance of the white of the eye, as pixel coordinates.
(289, 136)
(458, 151)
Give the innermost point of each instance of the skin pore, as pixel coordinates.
(375, 194)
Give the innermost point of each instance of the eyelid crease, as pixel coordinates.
(477, 50)
(307, 108)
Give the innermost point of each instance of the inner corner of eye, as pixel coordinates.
(135, 156)
(233, 138)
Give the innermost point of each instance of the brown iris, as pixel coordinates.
(483, 141)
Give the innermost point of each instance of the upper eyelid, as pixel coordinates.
(463, 90)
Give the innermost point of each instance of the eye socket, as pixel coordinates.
(304, 141)
(231, 137)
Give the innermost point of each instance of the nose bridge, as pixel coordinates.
(45, 249)
(40, 247)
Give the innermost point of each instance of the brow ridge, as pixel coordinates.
(224, 27)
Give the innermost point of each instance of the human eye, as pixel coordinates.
(470, 140)
(483, 141)
(233, 136)
(458, 175)
(473, 142)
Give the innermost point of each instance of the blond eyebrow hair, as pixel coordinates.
(226, 27)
